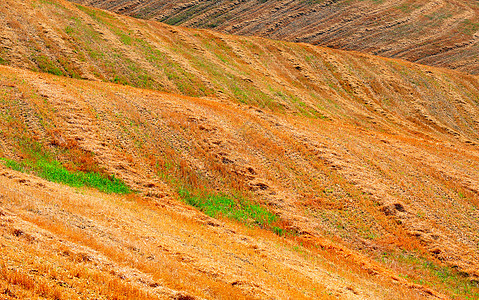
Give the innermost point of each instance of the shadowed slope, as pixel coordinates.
(439, 33)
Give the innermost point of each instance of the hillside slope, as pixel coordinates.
(368, 162)
(68, 243)
(438, 33)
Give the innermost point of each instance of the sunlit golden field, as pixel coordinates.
(144, 161)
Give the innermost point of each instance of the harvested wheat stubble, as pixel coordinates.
(437, 33)
(369, 164)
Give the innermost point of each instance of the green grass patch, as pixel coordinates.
(278, 230)
(47, 66)
(468, 27)
(56, 172)
(455, 282)
(232, 207)
(125, 38)
(97, 14)
(13, 165)
(69, 30)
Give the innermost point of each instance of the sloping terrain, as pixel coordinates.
(439, 33)
(365, 168)
(69, 243)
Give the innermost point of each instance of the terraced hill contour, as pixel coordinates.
(438, 33)
(369, 164)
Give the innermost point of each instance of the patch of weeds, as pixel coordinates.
(468, 27)
(47, 66)
(146, 81)
(456, 282)
(232, 207)
(279, 231)
(96, 14)
(438, 16)
(186, 82)
(125, 38)
(54, 171)
(69, 68)
(69, 30)
(197, 191)
(43, 2)
(119, 80)
(13, 165)
(3, 61)
(405, 7)
(96, 55)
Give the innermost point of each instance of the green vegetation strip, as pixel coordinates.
(450, 278)
(232, 207)
(54, 171)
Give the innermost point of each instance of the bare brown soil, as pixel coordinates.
(438, 33)
(370, 163)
